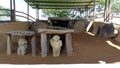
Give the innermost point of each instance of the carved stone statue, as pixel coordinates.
(56, 44)
(22, 46)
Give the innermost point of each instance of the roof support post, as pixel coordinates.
(107, 11)
(28, 11)
(37, 14)
(94, 12)
(12, 8)
(86, 12)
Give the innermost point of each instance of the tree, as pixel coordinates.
(3, 12)
(66, 13)
(79, 13)
(115, 4)
(56, 12)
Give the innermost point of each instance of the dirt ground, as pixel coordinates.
(87, 49)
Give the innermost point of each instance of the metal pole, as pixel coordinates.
(14, 8)
(11, 4)
(94, 11)
(28, 11)
(11, 10)
(37, 14)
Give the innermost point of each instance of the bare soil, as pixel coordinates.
(87, 49)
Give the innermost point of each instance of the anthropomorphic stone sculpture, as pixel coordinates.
(22, 46)
(56, 44)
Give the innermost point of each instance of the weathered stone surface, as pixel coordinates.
(80, 26)
(56, 44)
(96, 27)
(37, 25)
(5, 27)
(2, 42)
(22, 46)
(107, 31)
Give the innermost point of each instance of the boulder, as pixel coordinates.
(80, 26)
(108, 31)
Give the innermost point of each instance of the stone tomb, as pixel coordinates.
(55, 30)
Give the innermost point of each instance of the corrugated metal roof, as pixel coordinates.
(49, 4)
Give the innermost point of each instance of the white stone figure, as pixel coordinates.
(22, 46)
(56, 44)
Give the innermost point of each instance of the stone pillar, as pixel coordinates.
(33, 45)
(9, 44)
(43, 45)
(69, 44)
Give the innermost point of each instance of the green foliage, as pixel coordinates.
(56, 12)
(65, 13)
(102, 2)
(3, 11)
(115, 4)
(77, 13)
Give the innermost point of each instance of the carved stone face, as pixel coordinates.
(56, 38)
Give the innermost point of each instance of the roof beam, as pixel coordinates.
(56, 3)
(90, 2)
(60, 5)
(40, 1)
(73, 7)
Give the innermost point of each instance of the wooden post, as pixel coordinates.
(106, 11)
(69, 44)
(9, 44)
(28, 11)
(14, 9)
(94, 12)
(94, 24)
(43, 45)
(33, 42)
(86, 12)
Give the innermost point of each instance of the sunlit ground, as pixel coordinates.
(115, 46)
(90, 33)
(112, 45)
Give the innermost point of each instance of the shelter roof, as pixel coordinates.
(60, 4)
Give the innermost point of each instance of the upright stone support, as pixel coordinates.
(69, 44)
(9, 44)
(43, 45)
(33, 45)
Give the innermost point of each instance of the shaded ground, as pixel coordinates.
(86, 49)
